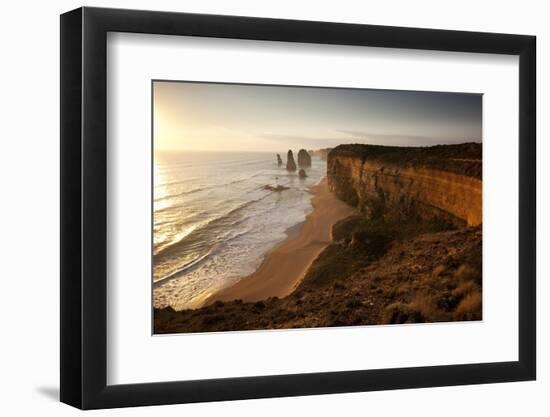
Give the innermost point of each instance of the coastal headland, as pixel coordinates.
(395, 236)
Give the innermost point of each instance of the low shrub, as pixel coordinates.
(470, 307)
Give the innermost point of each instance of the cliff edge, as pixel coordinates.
(413, 254)
(442, 182)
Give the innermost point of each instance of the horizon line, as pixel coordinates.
(312, 149)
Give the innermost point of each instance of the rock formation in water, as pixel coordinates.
(302, 174)
(277, 188)
(304, 159)
(441, 181)
(290, 163)
(279, 160)
(411, 254)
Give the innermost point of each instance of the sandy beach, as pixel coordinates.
(287, 263)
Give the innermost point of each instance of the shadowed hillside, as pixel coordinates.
(413, 253)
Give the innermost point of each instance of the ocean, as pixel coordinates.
(214, 221)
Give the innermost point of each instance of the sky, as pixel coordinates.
(238, 117)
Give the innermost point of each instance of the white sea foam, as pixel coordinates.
(214, 221)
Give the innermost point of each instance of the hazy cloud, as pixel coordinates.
(309, 142)
(356, 136)
(400, 140)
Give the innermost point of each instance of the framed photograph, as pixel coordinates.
(256, 208)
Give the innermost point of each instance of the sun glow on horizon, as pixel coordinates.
(191, 116)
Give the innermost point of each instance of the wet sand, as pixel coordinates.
(284, 266)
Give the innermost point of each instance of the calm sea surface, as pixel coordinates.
(214, 221)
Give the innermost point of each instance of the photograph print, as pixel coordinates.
(283, 207)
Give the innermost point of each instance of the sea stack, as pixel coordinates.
(290, 164)
(304, 159)
(302, 174)
(279, 160)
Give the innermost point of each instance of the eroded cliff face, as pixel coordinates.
(290, 163)
(399, 270)
(304, 158)
(443, 182)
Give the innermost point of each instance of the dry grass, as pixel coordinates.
(422, 309)
(465, 273)
(385, 275)
(470, 307)
(465, 289)
(427, 306)
(400, 313)
(438, 270)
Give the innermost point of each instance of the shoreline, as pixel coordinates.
(401, 263)
(287, 263)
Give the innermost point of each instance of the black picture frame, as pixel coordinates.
(84, 207)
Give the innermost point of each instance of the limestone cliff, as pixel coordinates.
(397, 264)
(304, 159)
(290, 163)
(443, 181)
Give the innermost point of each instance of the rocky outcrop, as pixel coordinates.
(321, 153)
(277, 188)
(302, 174)
(443, 182)
(290, 163)
(279, 160)
(395, 263)
(372, 274)
(304, 159)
